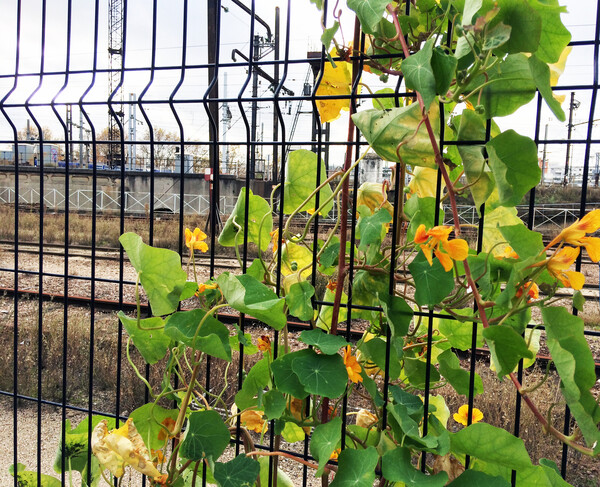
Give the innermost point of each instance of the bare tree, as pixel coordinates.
(165, 154)
(31, 134)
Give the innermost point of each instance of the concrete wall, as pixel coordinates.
(137, 189)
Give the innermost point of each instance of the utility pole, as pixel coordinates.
(572, 107)
(275, 120)
(226, 120)
(255, 58)
(131, 152)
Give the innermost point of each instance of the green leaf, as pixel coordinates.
(578, 301)
(387, 102)
(432, 282)
(496, 36)
(274, 404)
(470, 478)
(326, 311)
(242, 471)
(540, 73)
(256, 270)
(507, 347)
(372, 228)
(148, 419)
(397, 312)
(152, 344)
(356, 468)
(253, 385)
(76, 448)
(491, 444)
(292, 433)
(554, 36)
(460, 334)
(422, 211)
(325, 439)
(258, 211)
(212, 338)
(511, 86)
(331, 253)
(324, 375)
(327, 343)
(26, 478)
(329, 34)
(471, 8)
(513, 160)
(298, 300)
(374, 350)
(419, 75)
(575, 365)
(496, 218)
(286, 379)
(160, 273)
(386, 129)
(481, 181)
(282, 478)
(369, 13)
(525, 23)
(540, 476)
(444, 69)
(526, 243)
(247, 295)
(397, 467)
(301, 181)
(189, 290)
(458, 377)
(206, 436)
(416, 372)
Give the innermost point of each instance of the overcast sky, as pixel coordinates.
(303, 36)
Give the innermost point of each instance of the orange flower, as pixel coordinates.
(264, 343)
(158, 456)
(203, 287)
(558, 264)
(508, 253)
(194, 240)
(331, 285)
(168, 423)
(445, 250)
(576, 234)
(365, 418)
(532, 290)
(335, 454)
(462, 415)
(352, 366)
(253, 420)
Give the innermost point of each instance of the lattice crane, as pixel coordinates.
(115, 63)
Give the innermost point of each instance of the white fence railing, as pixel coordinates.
(558, 215)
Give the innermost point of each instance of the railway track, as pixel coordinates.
(231, 319)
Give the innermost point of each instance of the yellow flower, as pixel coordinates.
(194, 240)
(559, 262)
(532, 290)
(352, 366)
(275, 239)
(253, 420)
(121, 447)
(508, 253)
(445, 250)
(264, 343)
(576, 234)
(462, 415)
(365, 418)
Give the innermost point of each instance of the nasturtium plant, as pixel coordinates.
(420, 288)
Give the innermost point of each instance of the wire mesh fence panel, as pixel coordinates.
(316, 167)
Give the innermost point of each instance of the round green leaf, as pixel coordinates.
(324, 375)
(327, 343)
(152, 344)
(356, 468)
(242, 471)
(325, 439)
(206, 436)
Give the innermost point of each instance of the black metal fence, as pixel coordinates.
(227, 87)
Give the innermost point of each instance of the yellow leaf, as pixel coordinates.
(336, 82)
(557, 69)
(423, 182)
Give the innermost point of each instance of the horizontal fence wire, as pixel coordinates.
(194, 101)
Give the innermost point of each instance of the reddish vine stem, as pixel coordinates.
(475, 291)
